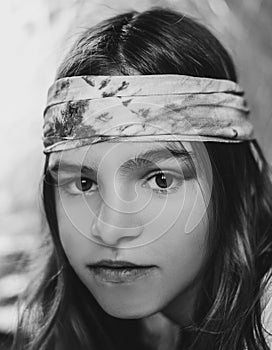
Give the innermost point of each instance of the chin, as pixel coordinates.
(127, 311)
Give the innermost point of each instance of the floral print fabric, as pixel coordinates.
(83, 110)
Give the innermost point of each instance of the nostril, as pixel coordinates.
(113, 235)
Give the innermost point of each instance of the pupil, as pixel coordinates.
(84, 184)
(161, 180)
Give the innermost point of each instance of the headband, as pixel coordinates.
(84, 110)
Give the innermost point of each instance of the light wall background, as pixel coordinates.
(34, 35)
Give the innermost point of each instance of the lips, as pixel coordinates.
(119, 271)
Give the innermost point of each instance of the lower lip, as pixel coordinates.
(124, 275)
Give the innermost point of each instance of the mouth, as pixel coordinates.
(119, 271)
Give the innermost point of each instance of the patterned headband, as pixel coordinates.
(84, 110)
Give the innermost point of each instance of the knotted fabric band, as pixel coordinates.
(84, 110)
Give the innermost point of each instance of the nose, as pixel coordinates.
(115, 225)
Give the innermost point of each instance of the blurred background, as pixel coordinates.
(35, 34)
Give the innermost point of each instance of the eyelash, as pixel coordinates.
(178, 179)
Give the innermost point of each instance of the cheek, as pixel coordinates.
(74, 220)
(75, 215)
(181, 218)
(183, 254)
(182, 246)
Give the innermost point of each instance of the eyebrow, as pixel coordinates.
(141, 160)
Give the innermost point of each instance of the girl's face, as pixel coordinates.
(140, 202)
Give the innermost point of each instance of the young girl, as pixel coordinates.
(156, 194)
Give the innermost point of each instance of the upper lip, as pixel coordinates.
(116, 263)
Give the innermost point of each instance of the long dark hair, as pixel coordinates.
(228, 311)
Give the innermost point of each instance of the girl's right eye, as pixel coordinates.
(80, 185)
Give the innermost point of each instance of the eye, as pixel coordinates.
(84, 184)
(164, 182)
(80, 185)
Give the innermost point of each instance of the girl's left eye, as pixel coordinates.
(164, 182)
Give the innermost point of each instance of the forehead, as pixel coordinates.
(119, 151)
